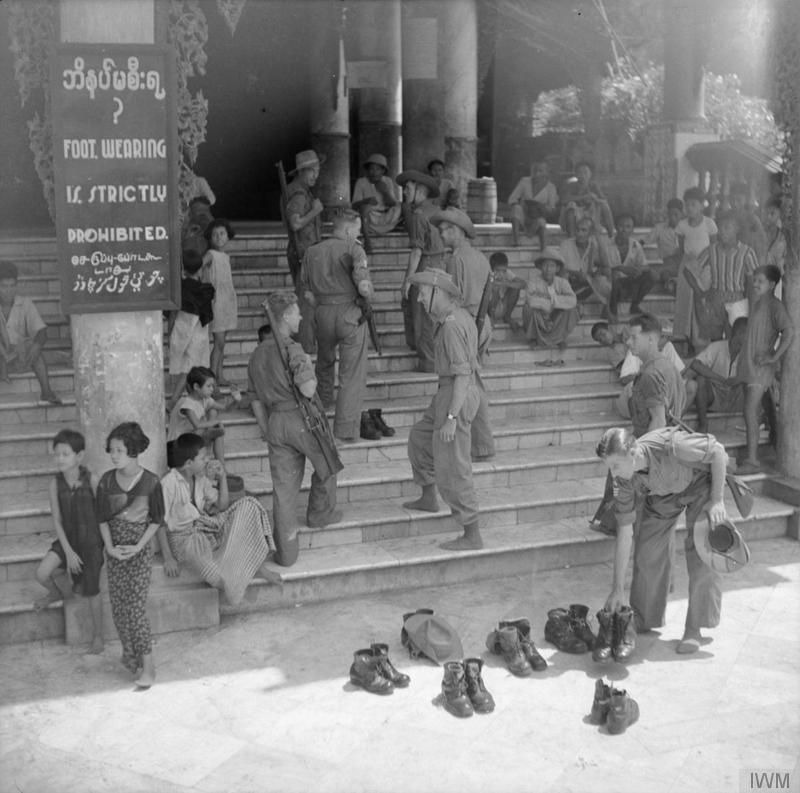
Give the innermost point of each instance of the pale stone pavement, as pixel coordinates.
(264, 702)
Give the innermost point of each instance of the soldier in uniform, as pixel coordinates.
(282, 427)
(334, 274)
(427, 250)
(303, 214)
(439, 443)
(470, 271)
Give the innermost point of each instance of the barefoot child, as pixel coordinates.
(196, 411)
(758, 362)
(217, 272)
(78, 547)
(130, 508)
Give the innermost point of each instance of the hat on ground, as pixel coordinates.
(377, 159)
(306, 159)
(457, 217)
(550, 252)
(438, 278)
(433, 637)
(419, 178)
(721, 547)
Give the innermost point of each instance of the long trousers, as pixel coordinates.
(337, 326)
(290, 444)
(482, 444)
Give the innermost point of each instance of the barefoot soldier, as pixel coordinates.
(439, 443)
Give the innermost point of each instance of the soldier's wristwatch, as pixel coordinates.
(450, 417)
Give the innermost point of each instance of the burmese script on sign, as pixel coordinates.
(116, 192)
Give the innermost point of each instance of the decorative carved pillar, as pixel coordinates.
(118, 358)
(330, 122)
(380, 100)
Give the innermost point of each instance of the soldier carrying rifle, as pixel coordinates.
(293, 423)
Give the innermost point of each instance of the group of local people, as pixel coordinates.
(451, 293)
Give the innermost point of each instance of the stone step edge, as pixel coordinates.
(282, 575)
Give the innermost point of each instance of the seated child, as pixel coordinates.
(78, 547)
(376, 198)
(225, 543)
(582, 197)
(196, 411)
(188, 328)
(711, 377)
(505, 291)
(769, 325)
(23, 334)
(631, 278)
(665, 236)
(550, 312)
(533, 202)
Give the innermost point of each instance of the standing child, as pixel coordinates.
(776, 238)
(759, 358)
(130, 508)
(78, 547)
(217, 272)
(196, 411)
(188, 328)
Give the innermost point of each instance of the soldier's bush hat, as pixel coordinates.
(434, 276)
(721, 547)
(377, 159)
(433, 637)
(419, 178)
(306, 159)
(550, 253)
(278, 302)
(458, 217)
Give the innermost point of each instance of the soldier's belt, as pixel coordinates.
(334, 300)
(282, 407)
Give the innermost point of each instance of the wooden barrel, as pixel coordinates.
(482, 200)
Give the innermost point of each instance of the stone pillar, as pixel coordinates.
(380, 106)
(330, 123)
(118, 358)
(684, 96)
(458, 58)
(423, 96)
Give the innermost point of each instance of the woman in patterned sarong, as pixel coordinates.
(225, 544)
(130, 509)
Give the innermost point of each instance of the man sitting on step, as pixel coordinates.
(439, 443)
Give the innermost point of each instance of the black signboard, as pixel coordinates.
(114, 147)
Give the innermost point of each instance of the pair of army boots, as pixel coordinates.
(613, 708)
(463, 689)
(512, 640)
(373, 671)
(616, 637)
(373, 427)
(568, 629)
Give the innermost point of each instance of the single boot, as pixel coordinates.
(622, 712)
(624, 634)
(558, 631)
(601, 703)
(365, 673)
(511, 650)
(604, 643)
(482, 701)
(403, 634)
(454, 690)
(380, 424)
(578, 615)
(368, 429)
(387, 668)
(523, 627)
(427, 502)
(470, 540)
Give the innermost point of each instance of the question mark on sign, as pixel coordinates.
(118, 112)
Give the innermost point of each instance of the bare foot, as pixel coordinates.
(45, 600)
(96, 647)
(690, 643)
(145, 680)
(423, 504)
(463, 544)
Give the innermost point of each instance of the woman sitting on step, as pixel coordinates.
(225, 544)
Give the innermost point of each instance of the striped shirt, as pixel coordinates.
(731, 270)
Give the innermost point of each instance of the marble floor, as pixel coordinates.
(264, 702)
